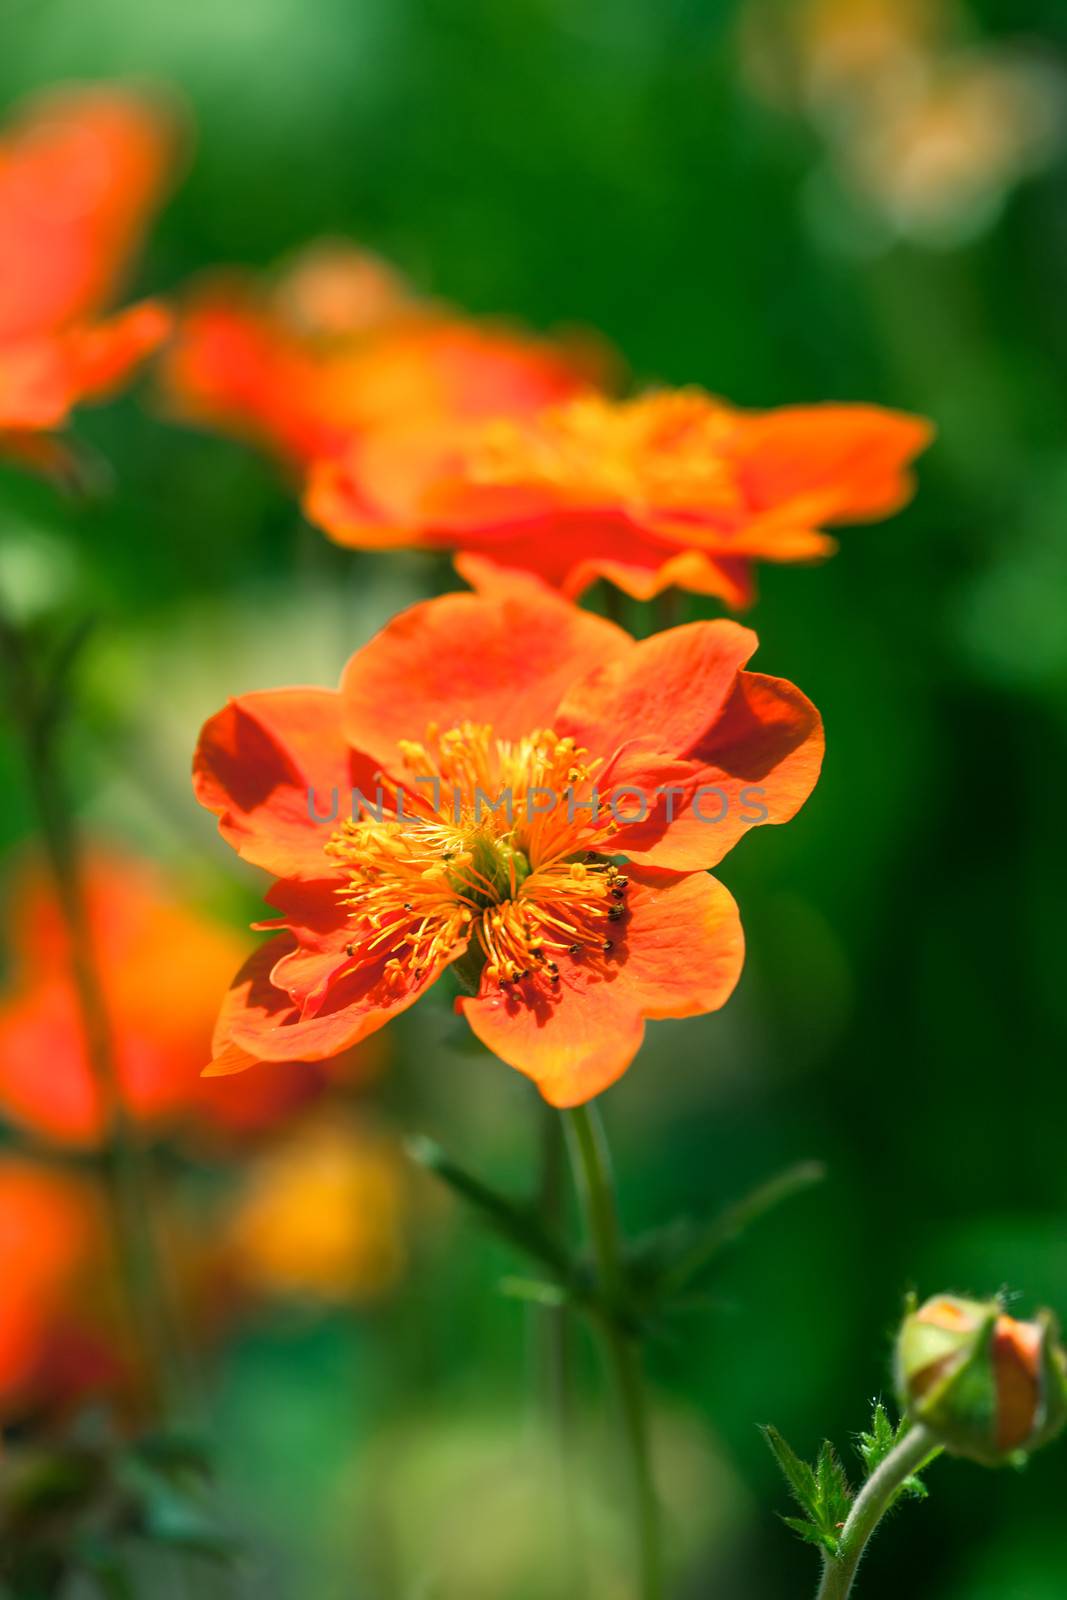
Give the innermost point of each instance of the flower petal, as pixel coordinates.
(757, 764)
(849, 461)
(571, 551)
(685, 946)
(678, 953)
(504, 659)
(667, 689)
(81, 170)
(313, 914)
(573, 1043)
(44, 377)
(104, 354)
(264, 762)
(260, 1020)
(727, 577)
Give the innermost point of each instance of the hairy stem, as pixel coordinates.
(870, 1506)
(592, 1170)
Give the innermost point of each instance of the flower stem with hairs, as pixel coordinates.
(871, 1504)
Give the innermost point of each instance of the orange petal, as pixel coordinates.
(758, 763)
(678, 953)
(262, 1020)
(105, 353)
(263, 762)
(850, 460)
(80, 173)
(64, 1104)
(667, 690)
(571, 551)
(573, 1043)
(505, 659)
(235, 366)
(313, 913)
(37, 389)
(727, 577)
(44, 378)
(1017, 1368)
(684, 941)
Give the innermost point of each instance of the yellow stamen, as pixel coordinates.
(502, 852)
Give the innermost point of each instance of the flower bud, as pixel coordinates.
(985, 1385)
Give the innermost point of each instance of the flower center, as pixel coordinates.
(664, 450)
(496, 844)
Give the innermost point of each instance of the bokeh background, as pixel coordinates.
(743, 196)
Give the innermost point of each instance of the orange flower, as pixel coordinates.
(574, 910)
(53, 1344)
(80, 173)
(162, 965)
(672, 488)
(338, 346)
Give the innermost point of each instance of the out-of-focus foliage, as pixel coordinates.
(632, 167)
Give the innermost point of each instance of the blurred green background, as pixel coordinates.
(638, 168)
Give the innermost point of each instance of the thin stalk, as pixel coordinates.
(614, 604)
(870, 1506)
(592, 1170)
(553, 1332)
(667, 610)
(126, 1180)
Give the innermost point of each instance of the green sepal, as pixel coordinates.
(1053, 1382)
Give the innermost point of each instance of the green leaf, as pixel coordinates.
(535, 1290)
(835, 1496)
(877, 1443)
(163, 1512)
(175, 1453)
(106, 1567)
(701, 1245)
(798, 1475)
(813, 1535)
(822, 1492)
(516, 1223)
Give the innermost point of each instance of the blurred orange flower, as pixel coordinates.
(321, 1215)
(337, 346)
(162, 966)
(81, 171)
(499, 699)
(671, 488)
(57, 1333)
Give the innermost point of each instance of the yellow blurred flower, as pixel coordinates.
(812, 54)
(926, 129)
(939, 154)
(322, 1216)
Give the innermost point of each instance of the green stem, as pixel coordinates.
(871, 1505)
(553, 1322)
(553, 1327)
(592, 1168)
(126, 1178)
(668, 610)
